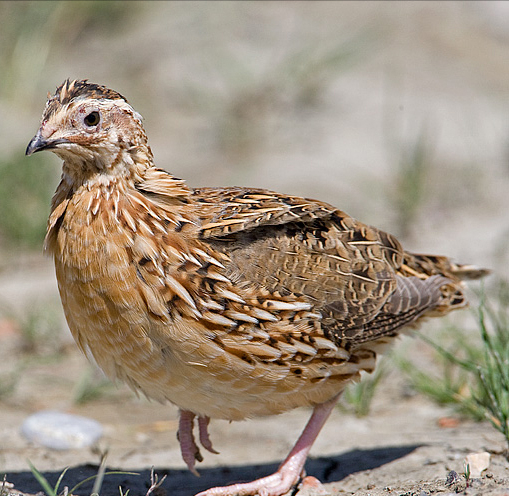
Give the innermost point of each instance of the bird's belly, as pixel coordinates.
(177, 363)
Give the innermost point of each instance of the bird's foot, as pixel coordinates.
(188, 447)
(276, 484)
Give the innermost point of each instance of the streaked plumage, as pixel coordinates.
(228, 302)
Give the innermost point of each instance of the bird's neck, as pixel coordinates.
(116, 196)
(106, 164)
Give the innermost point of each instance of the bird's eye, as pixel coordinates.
(92, 119)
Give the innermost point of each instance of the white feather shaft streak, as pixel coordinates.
(230, 295)
(208, 258)
(263, 314)
(295, 306)
(216, 318)
(180, 291)
(241, 316)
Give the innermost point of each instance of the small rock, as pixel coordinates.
(311, 481)
(448, 422)
(5, 485)
(8, 328)
(452, 477)
(477, 463)
(61, 431)
(311, 486)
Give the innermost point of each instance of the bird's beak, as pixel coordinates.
(38, 143)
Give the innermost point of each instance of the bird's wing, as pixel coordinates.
(230, 210)
(306, 248)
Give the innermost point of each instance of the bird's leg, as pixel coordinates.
(203, 424)
(290, 470)
(188, 447)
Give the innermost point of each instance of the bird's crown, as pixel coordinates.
(79, 89)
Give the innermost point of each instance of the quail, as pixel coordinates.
(231, 302)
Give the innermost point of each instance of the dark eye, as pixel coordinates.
(92, 119)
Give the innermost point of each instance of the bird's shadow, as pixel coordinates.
(183, 483)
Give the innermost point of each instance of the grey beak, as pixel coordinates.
(38, 143)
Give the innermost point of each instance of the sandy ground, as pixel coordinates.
(261, 94)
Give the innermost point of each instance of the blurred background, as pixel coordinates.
(396, 112)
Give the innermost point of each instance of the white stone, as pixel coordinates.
(61, 431)
(477, 463)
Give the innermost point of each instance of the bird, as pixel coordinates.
(230, 303)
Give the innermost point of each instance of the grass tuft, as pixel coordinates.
(475, 375)
(98, 480)
(155, 482)
(410, 184)
(39, 328)
(46, 486)
(91, 386)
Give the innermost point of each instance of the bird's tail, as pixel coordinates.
(426, 266)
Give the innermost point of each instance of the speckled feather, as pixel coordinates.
(228, 302)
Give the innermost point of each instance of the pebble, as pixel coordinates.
(452, 478)
(311, 486)
(61, 431)
(477, 463)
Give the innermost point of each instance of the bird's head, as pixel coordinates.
(92, 128)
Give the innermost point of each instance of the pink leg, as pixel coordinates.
(188, 448)
(203, 424)
(290, 470)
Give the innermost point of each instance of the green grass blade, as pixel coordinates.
(100, 476)
(92, 477)
(60, 477)
(42, 480)
(450, 356)
(475, 375)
